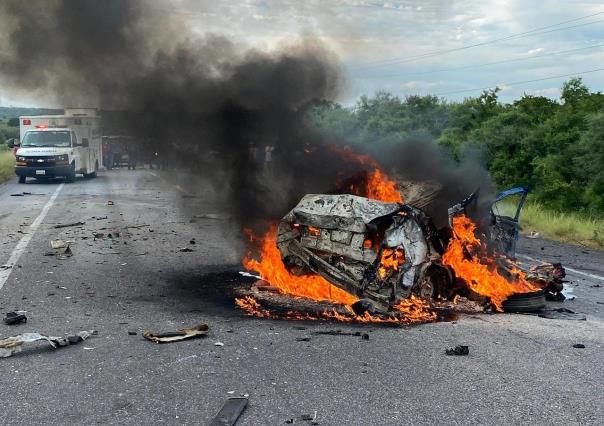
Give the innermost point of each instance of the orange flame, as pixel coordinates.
(414, 311)
(272, 269)
(314, 287)
(381, 187)
(378, 186)
(480, 273)
(315, 232)
(390, 261)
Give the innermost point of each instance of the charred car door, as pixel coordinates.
(505, 213)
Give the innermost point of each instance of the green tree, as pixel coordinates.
(588, 161)
(573, 91)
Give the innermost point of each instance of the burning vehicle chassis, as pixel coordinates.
(381, 252)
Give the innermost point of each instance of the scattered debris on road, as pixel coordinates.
(550, 277)
(312, 418)
(363, 336)
(562, 314)
(57, 244)
(110, 203)
(67, 225)
(579, 346)
(230, 412)
(247, 274)
(211, 216)
(185, 250)
(218, 344)
(3, 267)
(15, 317)
(21, 194)
(459, 350)
(12, 345)
(137, 226)
(178, 335)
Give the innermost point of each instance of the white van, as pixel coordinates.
(60, 145)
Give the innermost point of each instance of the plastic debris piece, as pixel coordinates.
(459, 350)
(247, 274)
(12, 345)
(57, 244)
(178, 335)
(579, 346)
(230, 412)
(218, 344)
(67, 225)
(15, 317)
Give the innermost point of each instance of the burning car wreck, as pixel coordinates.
(380, 251)
(387, 260)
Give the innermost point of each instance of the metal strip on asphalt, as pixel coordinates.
(23, 242)
(574, 271)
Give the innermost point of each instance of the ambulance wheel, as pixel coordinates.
(96, 169)
(22, 179)
(70, 178)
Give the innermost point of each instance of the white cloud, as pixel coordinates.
(535, 51)
(550, 92)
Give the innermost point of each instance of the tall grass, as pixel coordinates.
(568, 227)
(7, 165)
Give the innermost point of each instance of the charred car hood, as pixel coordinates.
(344, 212)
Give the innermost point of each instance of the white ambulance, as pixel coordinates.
(60, 145)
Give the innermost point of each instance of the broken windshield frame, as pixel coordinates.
(47, 139)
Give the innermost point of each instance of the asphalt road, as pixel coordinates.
(521, 369)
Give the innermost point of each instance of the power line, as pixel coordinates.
(536, 31)
(515, 83)
(505, 61)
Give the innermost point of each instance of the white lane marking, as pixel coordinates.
(23, 242)
(574, 271)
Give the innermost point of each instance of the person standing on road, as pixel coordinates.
(115, 156)
(105, 151)
(268, 160)
(132, 154)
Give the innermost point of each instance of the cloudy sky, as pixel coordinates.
(379, 42)
(421, 47)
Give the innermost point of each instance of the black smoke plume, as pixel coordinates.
(202, 102)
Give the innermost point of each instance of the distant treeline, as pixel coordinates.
(9, 120)
(14, 112)
(556, 148)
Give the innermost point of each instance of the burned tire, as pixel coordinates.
(525, 302)
(70, 178)
(92, 175)
(434, 280)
